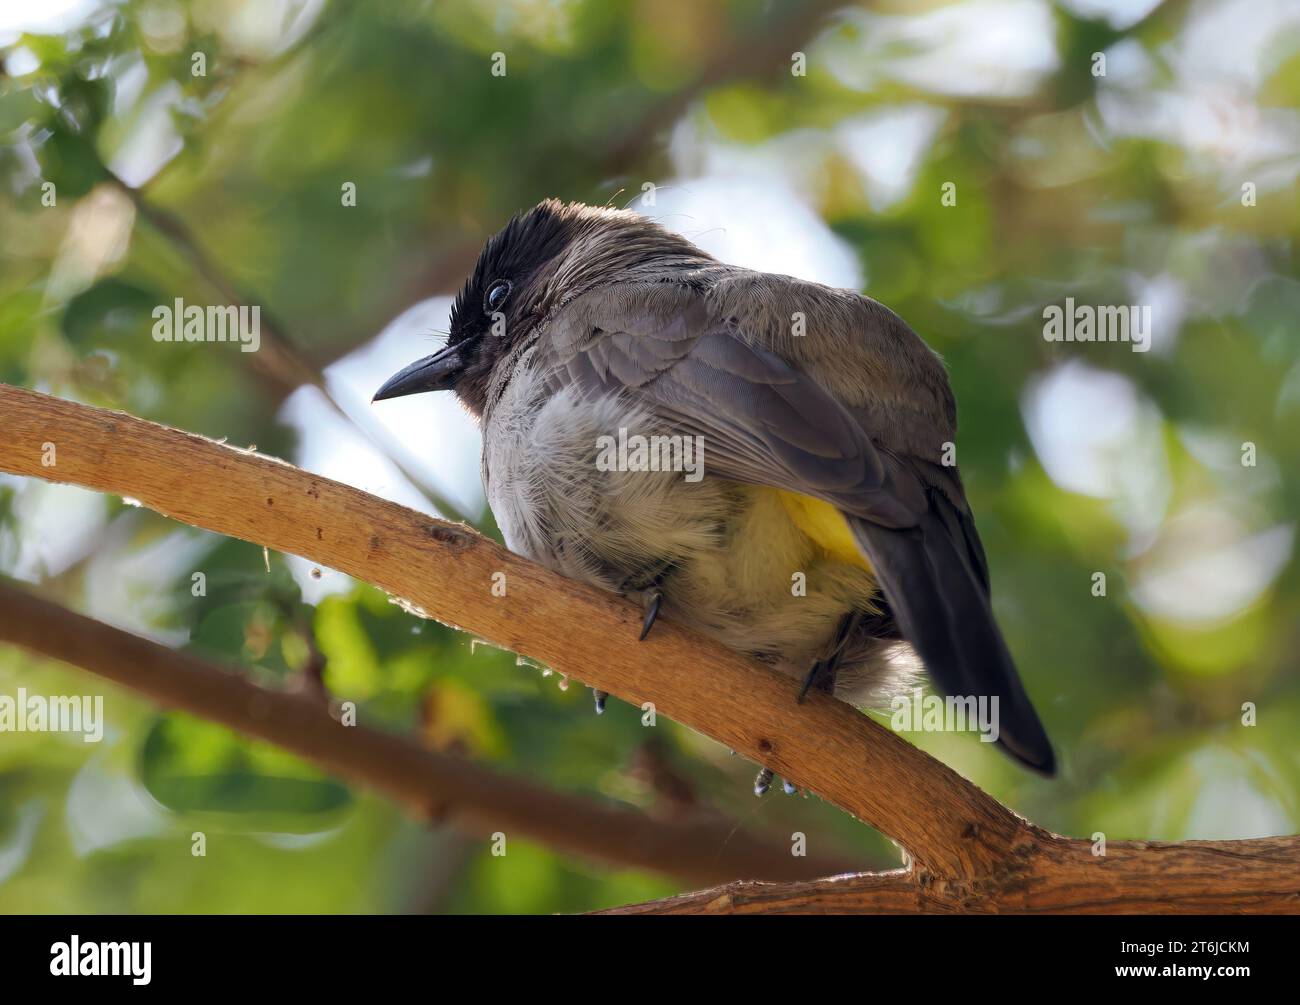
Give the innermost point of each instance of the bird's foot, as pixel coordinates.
(599, 696)
(651, 601)
(822, 675)
(824, 671)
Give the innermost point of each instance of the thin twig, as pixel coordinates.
(278, 359)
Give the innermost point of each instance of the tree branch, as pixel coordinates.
(432, 786)
(446, 570)
(967, 851)
(1056, 876)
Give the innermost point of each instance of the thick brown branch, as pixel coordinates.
(951, 828)
(968, 852)
(431, 786)
(1056, 875)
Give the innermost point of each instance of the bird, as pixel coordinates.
(764, 459)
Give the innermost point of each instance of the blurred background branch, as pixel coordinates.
(278, 359)
(433, 787)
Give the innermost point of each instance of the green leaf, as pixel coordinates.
(69, 159)
(107, 313)
(351, 664)
(191, 766)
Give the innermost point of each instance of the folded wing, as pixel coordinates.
(765, 422)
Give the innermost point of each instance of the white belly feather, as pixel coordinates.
(554, 504)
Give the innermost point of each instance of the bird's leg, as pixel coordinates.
(824, 670)
(599, 696)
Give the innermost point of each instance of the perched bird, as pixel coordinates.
(763, 459)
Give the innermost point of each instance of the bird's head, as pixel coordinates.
(539, 261)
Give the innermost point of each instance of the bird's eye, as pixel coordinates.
(496, 296)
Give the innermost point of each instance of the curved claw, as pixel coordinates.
(813, 675)
(823, 672)
(652, 602)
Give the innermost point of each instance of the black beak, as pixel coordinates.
(433, 373)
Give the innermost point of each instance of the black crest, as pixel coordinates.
(516, 252)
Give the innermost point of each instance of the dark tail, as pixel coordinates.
(936, 581)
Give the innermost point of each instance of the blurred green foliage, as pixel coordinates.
(1079, 458)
